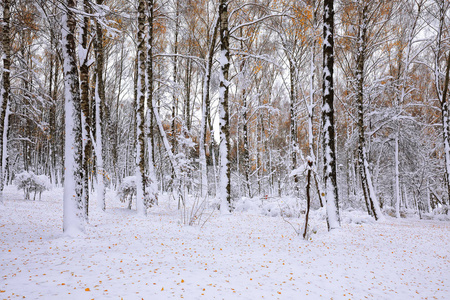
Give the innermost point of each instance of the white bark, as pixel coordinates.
(140, 195)
(202, 154)
(5, 152)
(370, 186)
(397, 180)
(99, 151)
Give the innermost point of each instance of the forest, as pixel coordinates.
(344, 106)
(229, 149)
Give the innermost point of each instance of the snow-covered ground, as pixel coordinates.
(240, 256)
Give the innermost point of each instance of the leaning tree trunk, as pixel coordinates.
(225, 172)
(73, 220)
(141, 177)
(366, 179)
(329, 147)
(5, 92)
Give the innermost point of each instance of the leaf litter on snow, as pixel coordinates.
(246, 255)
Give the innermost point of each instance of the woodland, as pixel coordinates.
(338, 104)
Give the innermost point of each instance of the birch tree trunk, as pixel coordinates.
(224, 148)
(141, 176)
(329, 147)
(5, 93)
(293, 124)
(85, 106)
(175, 95)
(205, 112)
(73, 220)
(366, 179)
(152, 184)
(99, 104)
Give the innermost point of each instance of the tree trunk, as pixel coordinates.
(73, 220)
(445, 124)
(329, 147)
(205, 111)
(5, 92)
(175, 96)
(293, 127)
(225, 172)
(99, 104)
(85, 106)
(363, 163)
(141, 176)
(152, 184)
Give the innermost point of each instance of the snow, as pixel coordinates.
(241, 256)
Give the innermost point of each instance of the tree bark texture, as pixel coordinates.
(225, 172)
(73, 220)
(329, 147)
(5, 91)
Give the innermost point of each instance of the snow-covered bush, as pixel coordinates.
(246, 205)
(350, 216)
(391, 211)
(288, 207)
(127, 190)
(442, 210)
(30, 182)
(440, 213)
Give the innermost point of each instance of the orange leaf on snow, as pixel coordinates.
(87, 289)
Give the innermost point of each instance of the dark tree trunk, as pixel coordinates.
(86, 107)
(329, 147)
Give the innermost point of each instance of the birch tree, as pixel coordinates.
(152, 185)
(225, 172)
(5, 92)
(329, 146)
(141, 175)
(73, 221)
(99, 104)
(204, 128)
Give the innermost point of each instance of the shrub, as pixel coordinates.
(127, 190)
(30, 182)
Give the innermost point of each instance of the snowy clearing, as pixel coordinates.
(239, 256)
